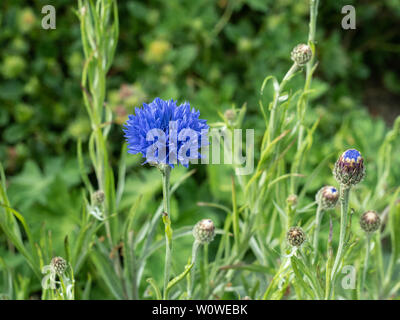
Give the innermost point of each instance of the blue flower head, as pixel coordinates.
(165, 133)
(351, 156)
(349, 169)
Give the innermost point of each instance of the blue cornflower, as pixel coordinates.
(349, 168)
(165, 133)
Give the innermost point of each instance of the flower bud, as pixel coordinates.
(230, 115)
(204, 231)
(98, 197)
(291, 200)
(327, 197)
(349, 169)
(301, 54)
(370, 221)
(59, 265)
(295, 236)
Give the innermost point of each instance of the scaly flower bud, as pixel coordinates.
(204, 231)
(327, 197)
(98, 197)
(59, 265)
(291, 200)
(370, 221)
(230, 115)
(295, 236)
(301, 54)
(349, 168)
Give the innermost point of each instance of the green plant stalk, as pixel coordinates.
(166, 171)
(329, 262)
(235, 217)
(205, 268)
(309, 67)
(314, 282)
(344, 201)
(278, 91)
(195, 250)
(367, 251)
(153, 226)
(93, 32)
(290, 216)
(309, 72)
(379, 258)
(96, 33)
(318, 219)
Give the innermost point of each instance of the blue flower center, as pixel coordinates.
(333, 190)
(352, 155)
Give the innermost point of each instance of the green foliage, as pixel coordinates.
(65, 93)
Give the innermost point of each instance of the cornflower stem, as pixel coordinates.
(318, 219)
(278, 91)
(318, 291)
(195, 250)
(290, 215)
(235, 220)
(166, 171)
(366, 262)
(309, 72)
(344, 206)
(205, 267)
(328, 283)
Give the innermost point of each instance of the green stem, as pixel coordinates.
(290, 216)
(278, 91)
(315, 285)
(205, 268)
(344, 201)
(318, 219)
(379, 258)
(235, 217)
(366, 262)
(309, 71)
(166, 170)
(195, 249)
(328, 283)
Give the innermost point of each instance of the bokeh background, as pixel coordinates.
(213, 53)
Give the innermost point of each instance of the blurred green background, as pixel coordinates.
(211, 53)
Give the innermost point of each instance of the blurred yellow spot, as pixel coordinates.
(157, 50)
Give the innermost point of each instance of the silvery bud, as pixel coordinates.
(291, 200)
(204, 231)
(59, 265)
(230, 115)
(301, 54)
(370, 221)
(98, 197)
(327, 197)
(295, 236)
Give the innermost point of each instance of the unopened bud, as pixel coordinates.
(59, 265)
(230, 115)
(301, 54)
(295, 236)
(98, 197)
(327, 197)
(349, 169)
(291, 200)
(204, 231)
(370, 221)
